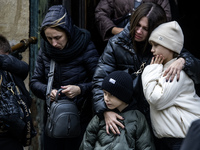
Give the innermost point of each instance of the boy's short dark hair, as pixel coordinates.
(4, 45)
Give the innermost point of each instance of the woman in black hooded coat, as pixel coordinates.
(76, 58)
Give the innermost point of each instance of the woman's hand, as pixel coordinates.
(174, 69)
(53, 94)
(71, 91)
(116, 30)
(112, 122)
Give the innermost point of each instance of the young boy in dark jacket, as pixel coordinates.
(118, 90)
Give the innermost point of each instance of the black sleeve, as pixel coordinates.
(191, 66)
(14, 66)
(192, 138)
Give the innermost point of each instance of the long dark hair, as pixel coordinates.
(156, 16)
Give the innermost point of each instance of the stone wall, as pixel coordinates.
(14, 23)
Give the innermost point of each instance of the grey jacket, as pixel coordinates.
(135, 135)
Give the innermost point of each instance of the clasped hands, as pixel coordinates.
(70, 91)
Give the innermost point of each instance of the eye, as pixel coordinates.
(57, 37)
(154, 44)
(145, 28)
(138, 25)
(49, 38)
(107, 93)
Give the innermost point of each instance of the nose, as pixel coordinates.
(152, 50)
(54, 42)
(139, 30)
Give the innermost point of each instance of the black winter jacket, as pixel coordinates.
(109, 12)
(77, 68)
(19, 70)
(120, 55)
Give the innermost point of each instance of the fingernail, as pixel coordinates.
(166, 80)
(170, 81)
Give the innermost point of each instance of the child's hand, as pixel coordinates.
(158, 59)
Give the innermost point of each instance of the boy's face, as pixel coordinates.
(161, 50)
(113, 102)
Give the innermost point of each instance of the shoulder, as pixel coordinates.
(133, 115)
(94, 122)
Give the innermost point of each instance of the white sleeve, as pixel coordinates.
(159, 93)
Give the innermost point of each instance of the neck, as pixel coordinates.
(122, 107)
(170, 57)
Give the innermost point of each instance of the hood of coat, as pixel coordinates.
(78, 39)
(57, 15)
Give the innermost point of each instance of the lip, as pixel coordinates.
(108, 104)
(138, 37)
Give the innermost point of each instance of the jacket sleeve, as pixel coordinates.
(103, 14)
(90, 135)
(14, 66)
(105, 66)
(144, 139)
(158, 92)
(90, 59)
(191, 65)
(38, 83)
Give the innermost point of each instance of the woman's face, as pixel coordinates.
(141, 30)
(57, 39)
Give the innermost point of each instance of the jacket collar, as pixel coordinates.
(123, 39)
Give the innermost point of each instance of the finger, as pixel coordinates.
(119, 124)
(168, 75)
(63, 87)
(152, 60)
(166, 72)
(65, 91)
(178, 75)
(172, 76)
(107, 129)
(161, 59)
(119, 117)
(156, 58)
(114, 129)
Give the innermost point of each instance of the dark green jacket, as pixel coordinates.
(135, 136)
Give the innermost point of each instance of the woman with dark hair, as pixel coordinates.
(129, 51)
(111, 16)
(75, 59)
